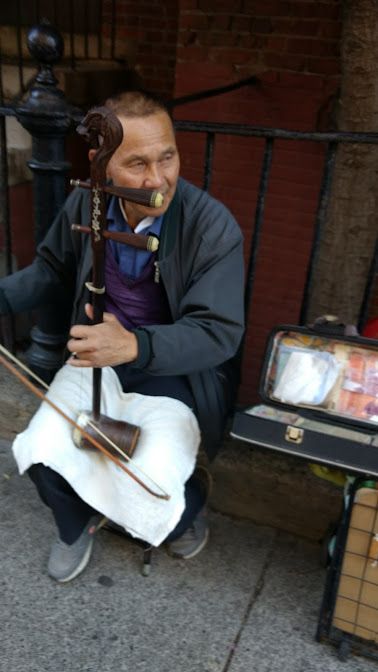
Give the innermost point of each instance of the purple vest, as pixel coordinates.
(136, 302)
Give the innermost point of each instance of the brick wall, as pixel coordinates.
(293, 49)
(245, 36)
(150, 26)
(292, 46)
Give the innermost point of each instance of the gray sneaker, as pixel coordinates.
(68, 560)
(193, 540)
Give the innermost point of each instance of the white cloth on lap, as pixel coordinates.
(166, 451)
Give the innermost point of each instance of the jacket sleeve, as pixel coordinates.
(210, 322)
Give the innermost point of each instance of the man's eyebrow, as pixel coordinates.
(145, 157)
(135, 157)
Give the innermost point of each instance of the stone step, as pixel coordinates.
(275, 489)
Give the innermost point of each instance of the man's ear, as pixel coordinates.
(91, 154)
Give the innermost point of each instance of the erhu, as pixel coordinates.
(102, 128)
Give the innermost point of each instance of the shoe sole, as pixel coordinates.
(86, 557)
(188, 556)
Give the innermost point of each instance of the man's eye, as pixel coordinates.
(137, 164)
(167, 157)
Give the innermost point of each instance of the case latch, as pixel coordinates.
(294, 434)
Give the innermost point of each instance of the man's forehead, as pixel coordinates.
(143, 135)
(159, 118)
(133, 153)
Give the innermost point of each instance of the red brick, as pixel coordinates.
(282, 26)
(269, 77)
(262, 25)
(313, 47)
(186, 37)
(187, 5)
(326, 66)
(240, 23)
(285, 61)
(276, 44)
(230, 55)
(300, 81)
(306, 27)
(191, 71)
(135, 9)
(252, 41)
(194, 21)
(330, 29)
(312, 10)
(214, 39)
(154, 36)
(290, 202)
(230, 6)
(21, 198)
(267, 7)
(220, 22)
(192, 53)
(127, 22)
(301, 46)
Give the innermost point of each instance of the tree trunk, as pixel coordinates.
(350, 232)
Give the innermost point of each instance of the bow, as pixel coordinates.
(96, 444)
(104, 130)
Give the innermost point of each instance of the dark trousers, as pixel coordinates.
(71, 513)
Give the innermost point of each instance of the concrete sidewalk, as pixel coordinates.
(248, 602)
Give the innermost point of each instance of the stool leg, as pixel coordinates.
(147, 554)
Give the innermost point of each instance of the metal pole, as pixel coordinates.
(47, 116)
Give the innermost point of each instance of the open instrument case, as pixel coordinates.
(319, 399)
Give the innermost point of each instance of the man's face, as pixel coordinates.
(147, 158)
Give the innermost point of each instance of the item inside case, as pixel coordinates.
(314, 371)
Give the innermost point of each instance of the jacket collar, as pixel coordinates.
(170, 225)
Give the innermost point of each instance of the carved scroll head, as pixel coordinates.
(103, 130)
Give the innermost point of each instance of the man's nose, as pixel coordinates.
(154, 177)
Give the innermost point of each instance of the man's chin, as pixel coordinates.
(157, 212)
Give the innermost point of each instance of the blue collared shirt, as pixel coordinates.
(131, 261)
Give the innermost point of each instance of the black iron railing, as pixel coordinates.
(88, 27)
(211, 130)
(331, 141)
(42, 117)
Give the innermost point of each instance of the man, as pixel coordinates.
(172, 325)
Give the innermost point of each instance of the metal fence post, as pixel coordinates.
(47, 116)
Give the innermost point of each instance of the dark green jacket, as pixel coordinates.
(200, 260)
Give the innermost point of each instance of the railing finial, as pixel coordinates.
(46, 46)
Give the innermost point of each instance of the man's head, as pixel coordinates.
(147, 157)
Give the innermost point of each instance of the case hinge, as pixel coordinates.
(294, 434)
